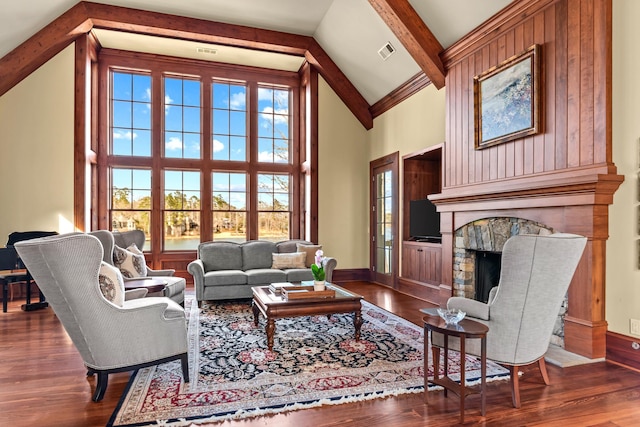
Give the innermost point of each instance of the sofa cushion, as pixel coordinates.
(220, 256)
(292, 260)
(130, 261)
(265, 276)
(257, 254)
(309, 251)
(225, 277)
(111, 284)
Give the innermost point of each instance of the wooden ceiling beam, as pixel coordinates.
(414, 35)
(42, 46)
(84, 16)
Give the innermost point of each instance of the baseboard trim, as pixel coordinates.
(621, 351)
(351, 275)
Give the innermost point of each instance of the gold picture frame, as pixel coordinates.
(507, 100)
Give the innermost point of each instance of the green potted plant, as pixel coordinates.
(317, 269)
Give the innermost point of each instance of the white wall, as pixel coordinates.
(623, 256)
(36, 150)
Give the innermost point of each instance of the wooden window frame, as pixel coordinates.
(158, 66)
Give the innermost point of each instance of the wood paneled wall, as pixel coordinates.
(564, 176)
(576, 61)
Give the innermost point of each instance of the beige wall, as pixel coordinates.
(623, 276)
(343, 182)
(36, 150)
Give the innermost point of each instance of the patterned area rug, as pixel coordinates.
(315, 361)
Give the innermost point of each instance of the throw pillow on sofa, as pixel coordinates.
(310, 251)
(130, 261)
(291, 260)
(111, 284)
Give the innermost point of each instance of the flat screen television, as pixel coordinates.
(424, 221)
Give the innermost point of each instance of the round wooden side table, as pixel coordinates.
(464, 330)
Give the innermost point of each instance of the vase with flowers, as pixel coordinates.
(317, 269)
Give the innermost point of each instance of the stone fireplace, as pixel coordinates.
(484, 239)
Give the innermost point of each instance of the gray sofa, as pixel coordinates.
(228, 270)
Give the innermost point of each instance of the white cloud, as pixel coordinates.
(174, 143)
(217, 146)
(167, 102)
(124, 135)
(280, 117)
(265, 156)
(238, 101)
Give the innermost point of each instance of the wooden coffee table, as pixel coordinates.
(274, 307)
(150, 284)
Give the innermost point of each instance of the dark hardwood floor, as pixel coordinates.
(43, 383)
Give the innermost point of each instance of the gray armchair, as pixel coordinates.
(522, 309)
(175, 285)
(142, 332)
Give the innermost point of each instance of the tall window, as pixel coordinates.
(177, 130)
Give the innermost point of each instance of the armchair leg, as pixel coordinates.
(515, 386)
(101, 386)
(543, 370)
(184, 362)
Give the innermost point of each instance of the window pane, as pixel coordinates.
(182, 230)
(221, 147)
(273, 226)
(230, 226)
(121, 86)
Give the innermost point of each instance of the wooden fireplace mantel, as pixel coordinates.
(572, 201)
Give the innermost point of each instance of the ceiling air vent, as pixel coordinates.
(386, 51)
(206, 50)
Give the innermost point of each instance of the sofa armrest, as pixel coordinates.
(329, 265)
(196, 268)
(473, 308)
(165, 272)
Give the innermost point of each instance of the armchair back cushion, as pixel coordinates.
(124, 239)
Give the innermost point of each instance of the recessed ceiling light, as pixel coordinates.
(386, 51)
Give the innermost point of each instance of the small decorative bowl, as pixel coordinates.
(451, 316)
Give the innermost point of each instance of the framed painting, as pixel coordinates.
(507, 100)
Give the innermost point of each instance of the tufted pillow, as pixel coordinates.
(291, 260)
(310, 251)
(130, 261)
(111, 284)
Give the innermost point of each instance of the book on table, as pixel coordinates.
(276, 288)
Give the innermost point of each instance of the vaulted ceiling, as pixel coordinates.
(341, 37)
